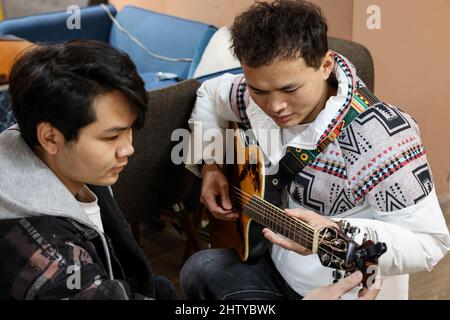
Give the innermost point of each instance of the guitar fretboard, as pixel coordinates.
(276, 219)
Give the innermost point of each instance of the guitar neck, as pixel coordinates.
(275, 219)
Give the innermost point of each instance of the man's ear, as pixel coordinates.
(50, 139)
(327, 64)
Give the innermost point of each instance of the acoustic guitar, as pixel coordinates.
(335, 247)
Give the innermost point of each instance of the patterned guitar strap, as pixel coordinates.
(295, 160)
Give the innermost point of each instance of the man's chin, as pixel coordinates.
(106, 182)
(292, 122)
(286, 125)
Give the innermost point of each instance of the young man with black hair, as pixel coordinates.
(62, 235)
(371, 170)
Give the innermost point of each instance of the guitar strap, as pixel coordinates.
(295, 159)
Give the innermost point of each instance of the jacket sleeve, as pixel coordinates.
(38, 264)
(417, 237)
(80, 278)
(393, 182)
(217, 104)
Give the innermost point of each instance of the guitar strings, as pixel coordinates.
(302, 238)
(281, 214)
(287, 219)
(269, 206)
(321, 250)
(290, 223)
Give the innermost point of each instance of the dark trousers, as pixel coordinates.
(219, 274)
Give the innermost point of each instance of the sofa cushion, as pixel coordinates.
(218, 55)
(163, 35)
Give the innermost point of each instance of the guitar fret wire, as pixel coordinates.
(288, 219)
(278, 227)
(283, 216)
(322, 250)
(271, 206)
(299, 236)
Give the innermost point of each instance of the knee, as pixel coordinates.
(198, 271)
(192, 273)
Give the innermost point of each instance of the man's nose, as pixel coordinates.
(126, 148)
(276, 105)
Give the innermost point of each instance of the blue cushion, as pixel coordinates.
(199, 51)
(51, 27)
(164, 35)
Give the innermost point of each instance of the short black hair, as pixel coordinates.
(281, 29)
(58, 83)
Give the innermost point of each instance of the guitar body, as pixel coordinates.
(244, 235)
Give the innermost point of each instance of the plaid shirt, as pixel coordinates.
(48, 257)
(7, 118)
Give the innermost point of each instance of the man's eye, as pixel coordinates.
(111, 138)
(291, 90)
(258, 92)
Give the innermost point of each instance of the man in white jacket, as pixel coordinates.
(373, 171)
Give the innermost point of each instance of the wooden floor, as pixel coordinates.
(165, 249)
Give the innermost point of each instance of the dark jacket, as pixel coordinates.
(50, 250)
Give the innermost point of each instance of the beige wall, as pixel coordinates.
(411, 53)
(412, 65)
(222, 12)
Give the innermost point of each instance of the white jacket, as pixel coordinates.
(400, 208)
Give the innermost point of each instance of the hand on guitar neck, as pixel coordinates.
(215, 193)
(311, 218)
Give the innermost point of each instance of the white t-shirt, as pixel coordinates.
(89, 202)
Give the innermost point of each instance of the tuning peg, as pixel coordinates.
(353, 231)
(366, 236)
(344, 225)
(337, 275)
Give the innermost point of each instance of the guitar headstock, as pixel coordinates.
(337, 249)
